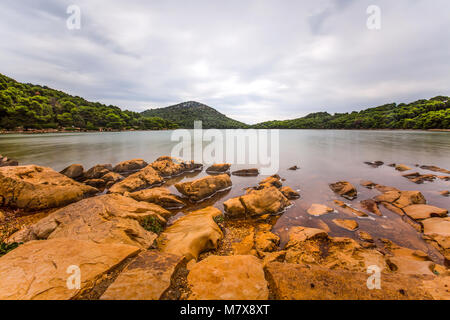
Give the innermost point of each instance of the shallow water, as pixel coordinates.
(324, 156)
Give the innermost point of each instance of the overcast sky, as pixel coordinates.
(252, 60)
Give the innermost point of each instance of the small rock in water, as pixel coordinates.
(402, 167)
(319, 209)
(445, 193)
(350, 225)
(364, 236)
(344, 189)
(246, 173)
(375, 164)
(294, 168)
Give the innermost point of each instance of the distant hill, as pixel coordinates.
(422, 114)
(29, 106)
(184, 114)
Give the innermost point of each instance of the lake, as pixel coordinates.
(324, 156)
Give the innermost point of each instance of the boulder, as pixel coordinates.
(435, 169)
(130, 165)
(344, 189)
(319, 209)
(246, 173)
(402, 167)
(112, 178)
(192, 234)
(350, 209)
(170, 167)
(289, 193)
(350, 225)
(147, 277)
(145, 178)
(228, 278)
(257, 203)
(219, 168)
(103, 219)
(203, 188)
(272, 181)
(298, 282)
(74, 171)
(38, 270)
(424, 211)
(371, 206)
(160, 196)
(96, 183)
(98, 171)
(37, 188)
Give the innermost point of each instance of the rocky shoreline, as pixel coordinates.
(133, 238)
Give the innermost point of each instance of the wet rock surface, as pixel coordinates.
(203, 188)
(344, 189)
(36, 188)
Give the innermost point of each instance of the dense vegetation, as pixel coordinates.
(27, 106)
(35, 107)
(422, 114)
(184, 114)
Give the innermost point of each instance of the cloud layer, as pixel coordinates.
(253, 60)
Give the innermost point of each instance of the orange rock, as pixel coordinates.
(203, 188)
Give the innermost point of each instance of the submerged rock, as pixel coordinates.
(246, 173)
(350, 225)
(38, 270)
(74, 171)
(160, 196)
(203, 188)
(103, 219)
(350, 209)
(344, 189)
(147, 277)
(219, 168)
(257, 203)
(319, 209)
(145, 178)
(37, 188)
(402, 167)
(228, 278)
(419, 178)
(299, 282)
(130, 165)
(423, 211)
(192, 234)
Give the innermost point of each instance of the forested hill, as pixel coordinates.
(184, 114)
(31, 106)
(422, 114)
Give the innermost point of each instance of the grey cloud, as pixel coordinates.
(255, 60)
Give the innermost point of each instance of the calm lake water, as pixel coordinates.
(324, 156)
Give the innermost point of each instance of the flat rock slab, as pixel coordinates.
(228, 278)
(268, 200)
(145, 178)
(319, 209)
(160, 196)
(203, 188)
(109, 218)
(297, 282)
(424, 211)
(192, 234)
(37, 188)
(37, 270)
(350, 225)
(147, 277)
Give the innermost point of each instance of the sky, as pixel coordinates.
(253, 60)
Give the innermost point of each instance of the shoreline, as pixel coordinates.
(28, 132)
